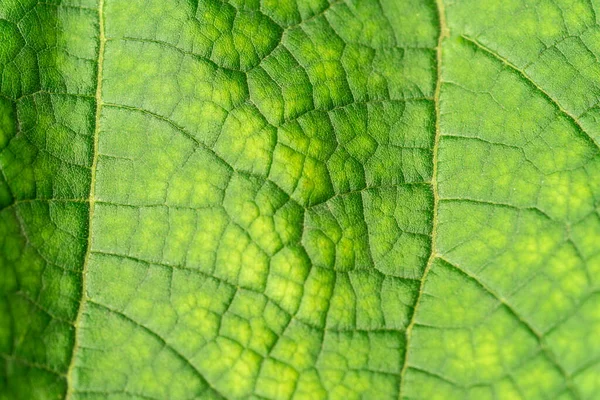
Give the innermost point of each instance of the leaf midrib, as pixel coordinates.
(92, 195)
(443, 33)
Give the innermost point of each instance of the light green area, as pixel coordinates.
(290, 199)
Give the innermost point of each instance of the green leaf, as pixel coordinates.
(362, 199)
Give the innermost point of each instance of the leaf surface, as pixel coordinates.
(299, 199)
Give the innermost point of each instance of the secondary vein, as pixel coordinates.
(574, 119)
(92, 196)
(443, 33)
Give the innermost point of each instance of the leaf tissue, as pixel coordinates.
(299, 199)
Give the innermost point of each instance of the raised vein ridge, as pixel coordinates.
(443, 33)
(98, 98)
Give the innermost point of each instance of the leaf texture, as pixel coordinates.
(299, 199)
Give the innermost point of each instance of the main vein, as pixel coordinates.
(92, 197)
(436, 98)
